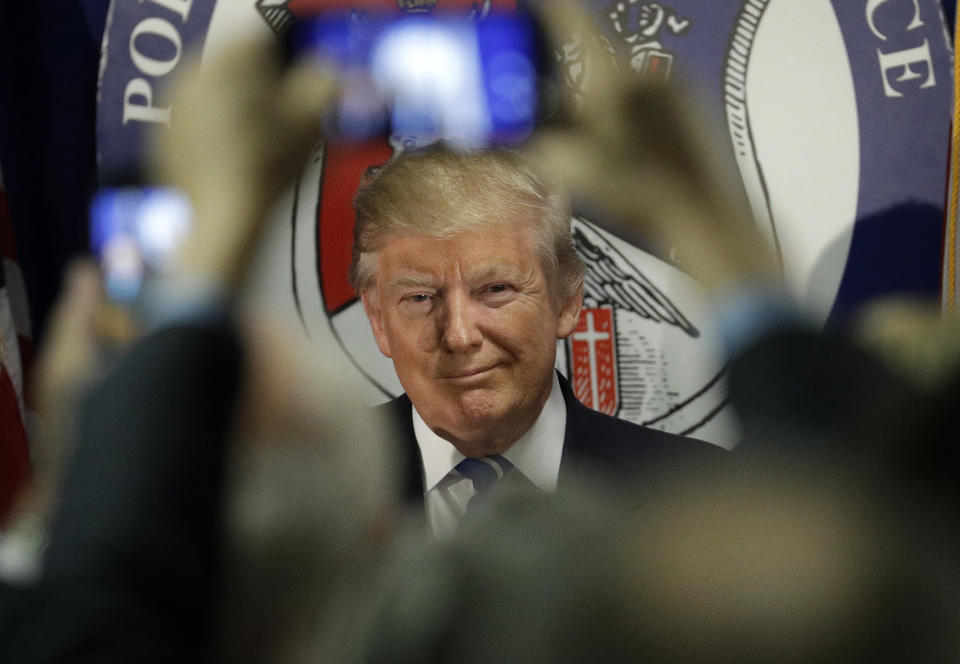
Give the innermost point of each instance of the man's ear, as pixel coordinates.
(371, 305)
(569, 313)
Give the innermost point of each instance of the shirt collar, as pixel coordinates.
(536, 454)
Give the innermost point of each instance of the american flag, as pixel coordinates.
(15, 358)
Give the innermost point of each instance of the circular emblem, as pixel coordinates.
(838, 120)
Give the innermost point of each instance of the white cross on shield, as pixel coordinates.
(594, 361)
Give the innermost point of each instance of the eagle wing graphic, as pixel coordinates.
(612, 279)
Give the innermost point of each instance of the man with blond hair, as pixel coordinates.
(467, 270)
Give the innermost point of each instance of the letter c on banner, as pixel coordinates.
(873, 5)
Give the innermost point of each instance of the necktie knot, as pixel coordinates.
(484, 472)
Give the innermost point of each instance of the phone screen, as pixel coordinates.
(469, 82)
(133, 232)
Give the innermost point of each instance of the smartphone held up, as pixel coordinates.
(431, 76)
(134, 231)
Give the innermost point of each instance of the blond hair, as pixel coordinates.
(439, 192)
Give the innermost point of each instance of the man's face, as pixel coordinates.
(471, 325)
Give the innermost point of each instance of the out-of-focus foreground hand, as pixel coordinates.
(912, 336)
(640, 154)
(241, 128)
(65, 367)
(69, 359)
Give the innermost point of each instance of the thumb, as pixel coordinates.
(308, 91)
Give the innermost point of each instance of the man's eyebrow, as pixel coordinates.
(411, 281)
(490, 270)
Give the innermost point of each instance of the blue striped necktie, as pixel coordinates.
(484, 472)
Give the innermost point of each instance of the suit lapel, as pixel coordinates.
(574, 435)
(400, 412)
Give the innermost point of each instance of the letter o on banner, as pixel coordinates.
(161, 28)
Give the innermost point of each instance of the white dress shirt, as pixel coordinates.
(536, 455)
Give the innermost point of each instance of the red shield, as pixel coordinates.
(594, 360)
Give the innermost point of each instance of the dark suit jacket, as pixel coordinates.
(615, 449)
(131, 571)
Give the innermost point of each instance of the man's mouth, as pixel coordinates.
(467, 373)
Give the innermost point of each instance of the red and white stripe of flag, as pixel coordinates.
(16, 353)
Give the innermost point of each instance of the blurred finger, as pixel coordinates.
(67, 359)
(72, 320)
(308, 90)
(303, 97)
(567, 24)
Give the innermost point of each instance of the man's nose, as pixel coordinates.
(460, 329)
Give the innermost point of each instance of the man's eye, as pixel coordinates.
(499, 292)
(416, 302)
